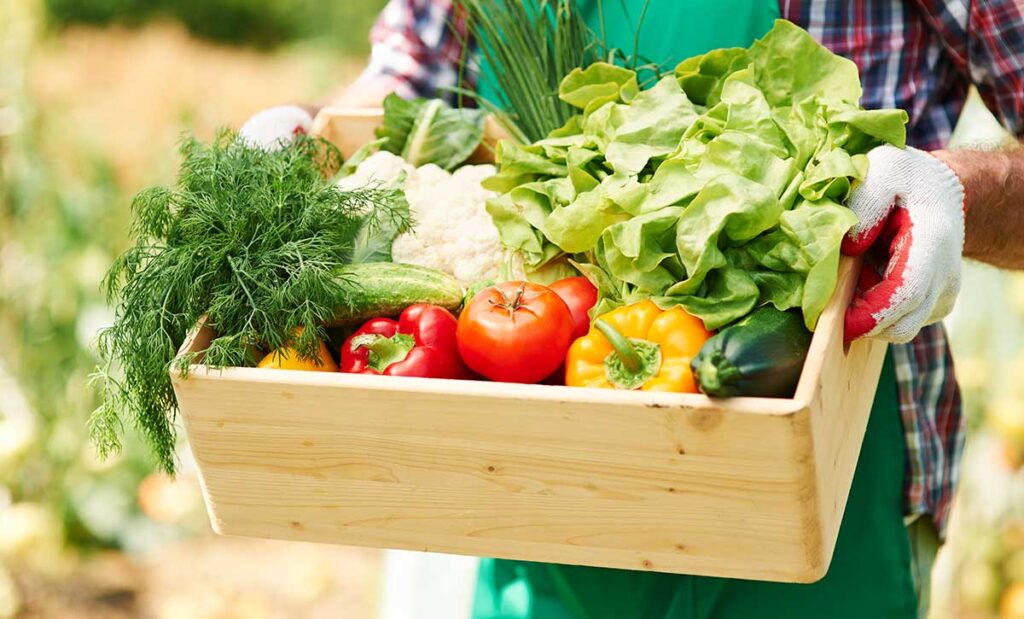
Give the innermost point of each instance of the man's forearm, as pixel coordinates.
(994, 193)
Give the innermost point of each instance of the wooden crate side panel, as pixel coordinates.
(672, 489)
(510, 535)
(347, 128)
(839, 385)
(839, 419)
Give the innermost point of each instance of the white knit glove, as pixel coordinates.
(911, 209)
(276, 126)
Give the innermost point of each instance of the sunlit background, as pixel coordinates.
(93, 97)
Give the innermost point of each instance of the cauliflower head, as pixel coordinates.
(452, 229)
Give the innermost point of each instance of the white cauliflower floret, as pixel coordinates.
(453, 231)
(381, 168)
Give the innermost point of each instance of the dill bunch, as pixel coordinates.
(259, 242)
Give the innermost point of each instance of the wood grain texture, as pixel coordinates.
(840, 388)
(743, 487)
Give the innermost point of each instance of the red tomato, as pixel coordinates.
(515, 332)
(580, 295)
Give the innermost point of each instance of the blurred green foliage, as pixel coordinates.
(63, 212)
(61, 223)
(342, 24)
(57, 237)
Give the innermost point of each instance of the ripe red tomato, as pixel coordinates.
(515, 332)
(580, 295)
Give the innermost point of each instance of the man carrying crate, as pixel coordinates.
(929, 206)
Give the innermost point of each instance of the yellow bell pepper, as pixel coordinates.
(288, 358)
(638, 346)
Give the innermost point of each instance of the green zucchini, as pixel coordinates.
(762, 355)
(387, 288)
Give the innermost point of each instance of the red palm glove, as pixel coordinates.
(911, 214)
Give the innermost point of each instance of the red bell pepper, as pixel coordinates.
(420, 343)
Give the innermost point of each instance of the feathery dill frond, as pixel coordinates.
(256, 240)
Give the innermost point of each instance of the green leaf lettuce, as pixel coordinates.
(718, 189)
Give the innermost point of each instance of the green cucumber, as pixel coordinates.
(762, 355)
(476, 287)
(387, 288)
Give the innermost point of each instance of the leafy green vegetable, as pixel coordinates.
(259, 241)
(702, 76)
(373, 241)
(424, 131)
(790, 66)
(598, 84)
(719, 189)
(650, 126)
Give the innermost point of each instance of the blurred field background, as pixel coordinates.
(94, 95)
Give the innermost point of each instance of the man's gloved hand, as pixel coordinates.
(910, 208)
(275, 126)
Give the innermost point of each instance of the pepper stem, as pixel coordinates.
(627, 353)
(383, 350)
(632, 362)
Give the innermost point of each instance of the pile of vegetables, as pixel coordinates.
(454, 234)
(683, 237)
(269, 249)
(720, 189)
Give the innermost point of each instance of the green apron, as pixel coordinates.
(870, 574)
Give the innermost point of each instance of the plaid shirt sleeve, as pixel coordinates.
(418, 48)
(985, 39)
(933, 423)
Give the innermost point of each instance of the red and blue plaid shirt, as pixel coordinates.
(918, 55)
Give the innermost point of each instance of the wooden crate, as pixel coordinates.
(743, 487)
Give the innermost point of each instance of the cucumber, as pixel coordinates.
(762, 355)
(476, 287)
(387, 288)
